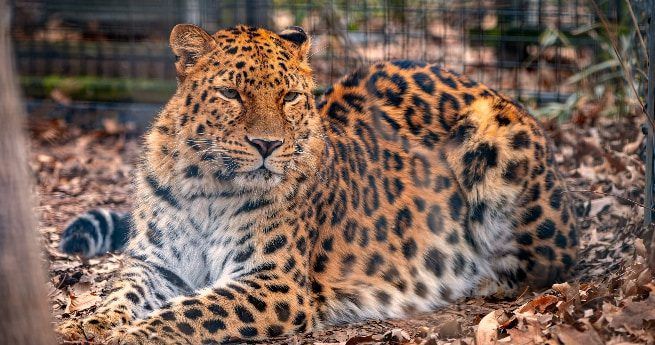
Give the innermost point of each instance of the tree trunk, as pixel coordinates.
(24, 316)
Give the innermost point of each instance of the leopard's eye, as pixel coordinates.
(291, 96)
(228, 93)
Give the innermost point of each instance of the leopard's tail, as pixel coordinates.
(96, 232)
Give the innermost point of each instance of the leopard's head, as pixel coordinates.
(243, 112)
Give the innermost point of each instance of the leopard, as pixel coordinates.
(261, 211)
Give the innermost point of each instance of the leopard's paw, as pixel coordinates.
(95, 326)
(133, 335)
(71, 330)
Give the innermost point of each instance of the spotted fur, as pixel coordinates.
(260, 213)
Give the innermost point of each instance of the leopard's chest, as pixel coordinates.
(198, 238)
(215, 236)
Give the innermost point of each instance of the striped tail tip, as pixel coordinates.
(95, 233)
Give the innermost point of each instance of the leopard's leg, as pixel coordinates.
(506, 175)
(140, 288)
(545, 229)
(545, 238)
(256, 307)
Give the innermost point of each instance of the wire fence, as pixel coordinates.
(117, 50)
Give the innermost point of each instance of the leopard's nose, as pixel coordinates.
(264, 146)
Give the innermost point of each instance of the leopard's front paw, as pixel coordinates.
(133, 335)
(71, 330)
(93, 327)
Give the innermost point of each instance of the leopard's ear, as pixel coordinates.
(189, 42)
(297, 36)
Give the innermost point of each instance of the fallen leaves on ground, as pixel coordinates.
(581, 313)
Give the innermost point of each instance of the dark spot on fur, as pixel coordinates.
(409, 248)
(213, 325)
(424, 82)
(560, 240)
(275, 244)
(477, 162)
(282, 311)
(502, 120)
(420, 289)
(403, 221)
(185, 328)
(248, 332)
(374, 264)
(435, 219)
(257, 303)
(274, 331)
(193, 313)
(132, 297)
(217, 310)
(168, 316)
(244, 314)
(192, 171)
(546, 229)
(455, 203)
(477, 212)
(433, 260)
(520, 140)
(546, 252)
(524, 239)
(531, 214)
(556, 198)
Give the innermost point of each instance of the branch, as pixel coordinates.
(636, 24)
(626, 72)
(612, 195)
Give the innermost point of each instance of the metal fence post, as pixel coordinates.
(650, 105)
(650, 138)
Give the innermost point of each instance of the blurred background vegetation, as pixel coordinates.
(556, 55)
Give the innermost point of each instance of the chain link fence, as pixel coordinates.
(117, 50)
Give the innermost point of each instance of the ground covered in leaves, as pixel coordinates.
(610, 300)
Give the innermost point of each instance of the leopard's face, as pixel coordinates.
(246, 110)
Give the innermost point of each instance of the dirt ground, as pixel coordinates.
(610, 300)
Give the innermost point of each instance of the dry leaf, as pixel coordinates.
(82, 302)
(633, 147)
(568, 335)
(487, 332)
(632, 315)
(539, 304)
(587, 172)
(600, 205)
(450, 330)
(423, 332)
(562, 288)
(396, 336)
(530, 335)
(359, 340)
